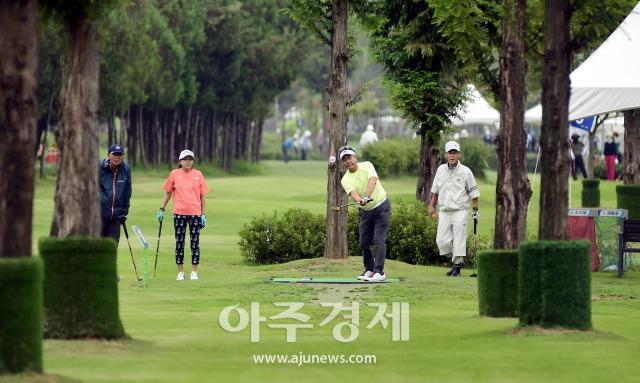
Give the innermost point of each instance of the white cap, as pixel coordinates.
(346, 152)
(186, 153)
(451, 145)
(370, 127)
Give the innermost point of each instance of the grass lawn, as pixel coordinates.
(175, 335)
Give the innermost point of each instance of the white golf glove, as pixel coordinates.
(476, 215)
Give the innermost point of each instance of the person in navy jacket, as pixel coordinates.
(115, 192)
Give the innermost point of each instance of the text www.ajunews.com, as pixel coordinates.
(303, 359)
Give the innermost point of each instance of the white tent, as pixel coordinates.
(477, 111)
(609, 80)
(534, 115)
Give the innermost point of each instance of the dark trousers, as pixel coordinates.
(180, 223)
(374, 225)
(111, 228)
(579, 165)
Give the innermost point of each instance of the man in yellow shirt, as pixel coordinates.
(362, 184)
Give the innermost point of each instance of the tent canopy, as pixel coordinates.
(609, 80)
(477, 111)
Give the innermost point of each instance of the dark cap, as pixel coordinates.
(116, 149)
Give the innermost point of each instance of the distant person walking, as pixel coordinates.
(305, 145)
(453, 186)
(189, 188)
(578, 149)
(361, 183)
(286, 146)
(610, 154)
(320, 140)
(368, 137)
(115, 192)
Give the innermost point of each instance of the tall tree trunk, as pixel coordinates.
(336, 239)
(131, 135)
(554, 140)
(123, 126)
(18, 118)
(429, 158)
(214, 135)
(77, 210)
(257, 139)
(110, 130)
(631, 172)
(513, 191)
(140, 135)
(172, 155)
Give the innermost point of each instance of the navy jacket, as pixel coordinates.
(115, 190)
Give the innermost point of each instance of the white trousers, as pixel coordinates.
(452, 234)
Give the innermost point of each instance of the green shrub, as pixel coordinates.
(600, 172)
(270, 239)
(411, 237)
(555, 284)
(629, 198)
(474, 155)
(21, 314)
(80, 288)
(590, 193)
(391, 157)
(300, 234)
(498, 283)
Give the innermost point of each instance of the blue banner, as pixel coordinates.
(586, 123)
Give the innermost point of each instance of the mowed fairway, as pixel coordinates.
(175, 335)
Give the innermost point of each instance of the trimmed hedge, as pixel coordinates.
(629, 198)
(394, 156)
(591, 193)
(299, 234)
(21, 313)
(555, 284)
(80, 288)
(498, 283)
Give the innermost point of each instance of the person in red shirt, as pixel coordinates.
(188, 187)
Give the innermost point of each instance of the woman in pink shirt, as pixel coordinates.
(188, 187)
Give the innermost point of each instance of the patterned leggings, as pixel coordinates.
(180, 225)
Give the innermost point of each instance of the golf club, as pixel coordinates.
(475, 248)
(337, 208)
(126, 234)
(155, 264)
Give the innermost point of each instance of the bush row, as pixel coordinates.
(400, 156)
(392, 157)
(298, 234)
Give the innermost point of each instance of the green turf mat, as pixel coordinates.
(329, 280)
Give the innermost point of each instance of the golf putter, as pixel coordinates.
(126, 234)
(155, 264)
(475, 248)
